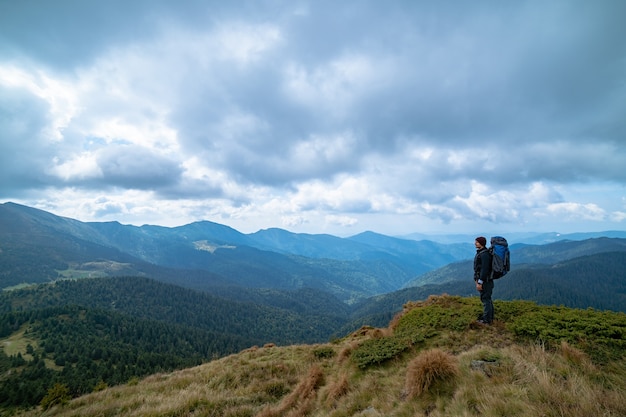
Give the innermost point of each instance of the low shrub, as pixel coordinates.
(324, 352)
(58, 394)
(600, 334)
(376, 351)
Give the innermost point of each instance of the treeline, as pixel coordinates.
(150, 299)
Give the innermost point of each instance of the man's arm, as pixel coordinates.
(485, 267)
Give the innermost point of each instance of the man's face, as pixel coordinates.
(478, 245)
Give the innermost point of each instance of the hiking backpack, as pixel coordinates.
(500, 257)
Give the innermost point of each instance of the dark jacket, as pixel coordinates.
(482, 265)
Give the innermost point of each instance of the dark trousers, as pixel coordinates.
(485, 298)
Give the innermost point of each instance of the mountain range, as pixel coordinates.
(38, 247)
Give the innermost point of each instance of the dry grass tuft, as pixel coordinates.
(369, 331)
(337, 389)
(346, 351)
(574, 355)
(250, 349)
(301, 399)
(380, 333)
(428, 369)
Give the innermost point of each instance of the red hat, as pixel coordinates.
(481, 240)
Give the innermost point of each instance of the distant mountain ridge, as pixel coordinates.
(38, 246)
(524, 255)
(529, 238)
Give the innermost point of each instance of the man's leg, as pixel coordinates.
(485, 298)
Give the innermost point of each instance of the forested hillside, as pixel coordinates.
(84, 348)
(563, 250)
(149, 299)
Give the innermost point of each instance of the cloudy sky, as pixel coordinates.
(317, 116)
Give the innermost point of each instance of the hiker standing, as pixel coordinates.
(482, 278)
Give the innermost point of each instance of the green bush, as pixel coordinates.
(376, 351)
(276, 389)
(324, 352)
(449, 313)
(601, 334)
(58, 394)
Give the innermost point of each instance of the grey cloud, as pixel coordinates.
(136, 167)
(206, 188)
(537, 73)
(573, 162)
(455, 85)
(66, 33)
(249, 128)
(102, 208)
(26, 151)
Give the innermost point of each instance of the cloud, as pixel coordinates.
(24, 122)
(131, 167)
(618, 216)
(341, 220)
(316, 114)
(578, 211)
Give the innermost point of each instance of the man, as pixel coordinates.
(482, 278)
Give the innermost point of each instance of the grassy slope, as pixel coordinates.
(534, 361)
